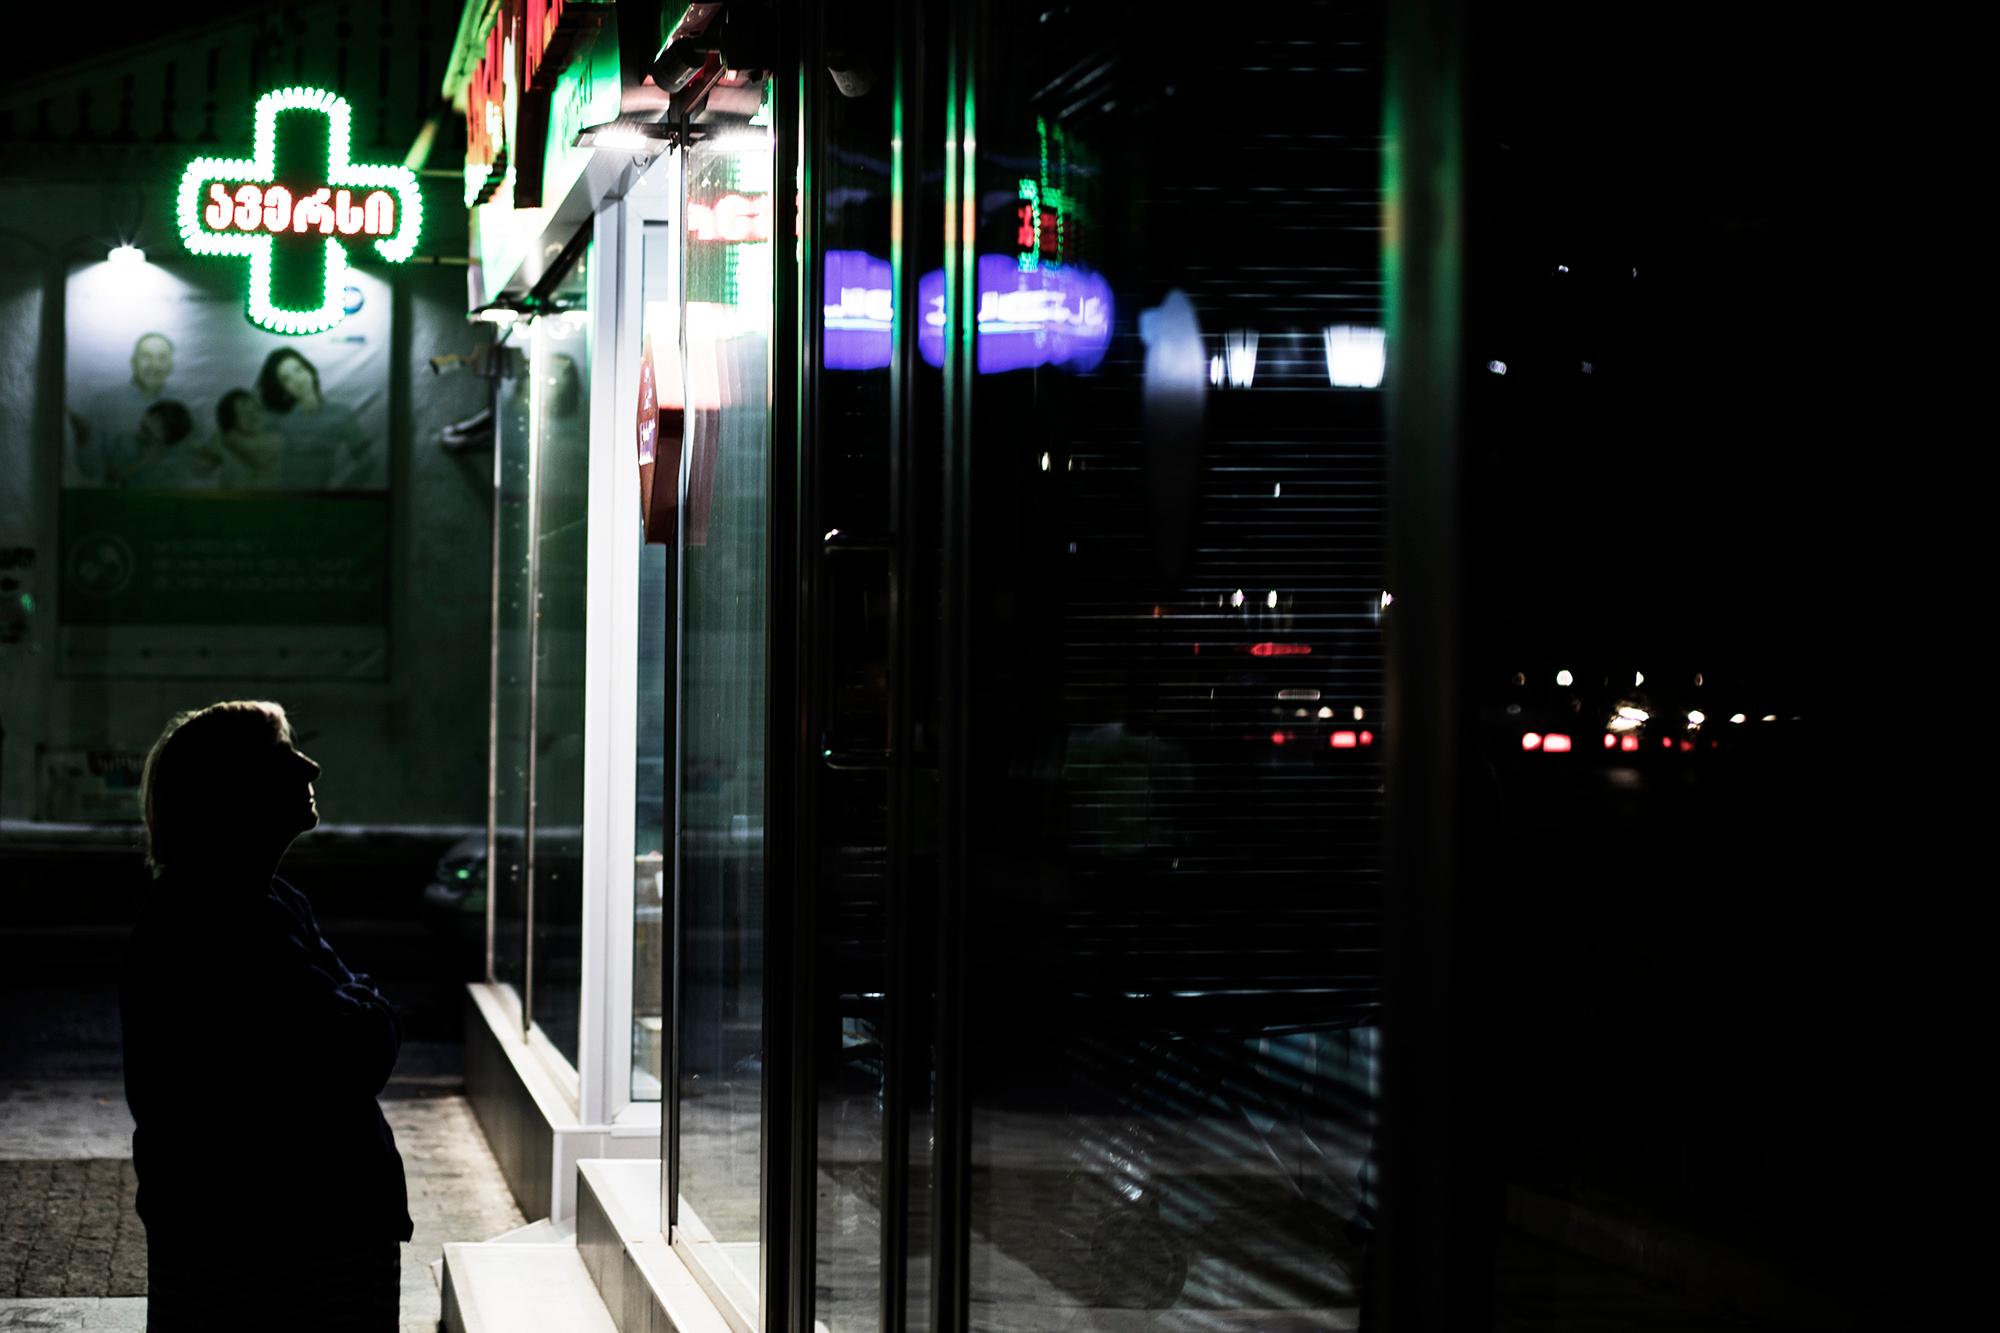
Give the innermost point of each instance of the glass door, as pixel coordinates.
(723, 523)
(1166, 519)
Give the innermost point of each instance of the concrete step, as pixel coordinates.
(644, 1282)
(544, 1232)
(520, 1287)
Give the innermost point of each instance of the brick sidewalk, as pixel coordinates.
(69, 1229)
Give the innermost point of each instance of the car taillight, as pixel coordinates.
(1531, 740)
(1555, 743)
(1344, 740)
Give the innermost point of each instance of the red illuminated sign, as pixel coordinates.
(733, 217)
(530, 43)
(486, 119)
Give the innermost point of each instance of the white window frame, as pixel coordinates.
(611, 657)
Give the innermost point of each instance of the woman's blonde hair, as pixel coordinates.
(199, 775)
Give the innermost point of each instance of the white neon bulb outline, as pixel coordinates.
(261, 168)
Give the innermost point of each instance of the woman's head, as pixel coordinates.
(287, 381)
(239, 413)
(226, 783)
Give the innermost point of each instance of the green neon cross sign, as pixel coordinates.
(238, 206)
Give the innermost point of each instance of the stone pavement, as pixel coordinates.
(72, 1251)
(73, 1255)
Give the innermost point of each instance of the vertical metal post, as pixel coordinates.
(790, 1165)
(951, 1168)
(900, 1054)
(1422, 1162)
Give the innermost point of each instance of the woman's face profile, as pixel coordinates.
(300, 771)
(286, 797)
(296, 378)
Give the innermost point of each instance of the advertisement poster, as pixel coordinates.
(87, 786)
(225, 505)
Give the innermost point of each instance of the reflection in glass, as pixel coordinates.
(513, 590)
(853, 641)
(649, 823)
(1172, 860)
(727, 280)
(561, 370)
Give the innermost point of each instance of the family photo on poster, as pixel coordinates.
(274, 430)
(225, 489)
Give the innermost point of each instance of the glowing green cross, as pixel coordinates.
(236, 206)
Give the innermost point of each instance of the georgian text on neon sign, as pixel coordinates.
(276, 210)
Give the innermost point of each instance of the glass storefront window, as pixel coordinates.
(561, 370)
(513, 593)
(541, 485)
(649, 922)
(722, 527)
(1174, 674)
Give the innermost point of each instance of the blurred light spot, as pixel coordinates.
(126, 254)
(1271, 599)
(1215, 370)
(1768, 717)
(1236, 598)
(1738, 718)
(1280, 649)
(1531, 740)
(1045, 462)
(1359, 712)
(1513, 710)
(1565, 679)
(1630, 714)
(1610, 741)
(1626, 744)
(1696, 717)
(1240, 346)
(1277, 490)
(1388, 599)
(1367, 738)
(1697, 680)
(1280, 737)
(1355, 356)
(1589, 369)
(1638, 679)
(1497, 367)
(1344, 740)
(1562, 268)
(1325, 712)
(1555, 743)
(1687, 747)
(1308, 695)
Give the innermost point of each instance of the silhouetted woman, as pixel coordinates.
(269, 1182)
